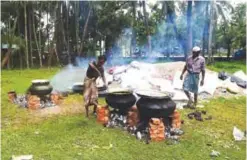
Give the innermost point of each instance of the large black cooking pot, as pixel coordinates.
(121, 100)
(40, 87)
(155, 106)
(79, 88)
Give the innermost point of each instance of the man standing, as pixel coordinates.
(90, 94)
(195, 64)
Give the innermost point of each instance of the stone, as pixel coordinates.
(22, 157)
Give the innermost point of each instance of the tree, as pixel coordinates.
(147, 27)
(231, 33)
(9, 38)
(189, 28)
(26, 39)
(216, 9)
(85, 31)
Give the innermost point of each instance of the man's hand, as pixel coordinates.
(181, 77)
(202, 82)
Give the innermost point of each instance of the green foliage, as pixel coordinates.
(230, 67)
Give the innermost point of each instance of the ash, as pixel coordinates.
(21, 100)
(117, 120)
(170, 134)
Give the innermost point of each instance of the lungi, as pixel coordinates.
(90, 93)
(191, 81)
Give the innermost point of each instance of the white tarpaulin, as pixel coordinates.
(241, 75)
(210, 83)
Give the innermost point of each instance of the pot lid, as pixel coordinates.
(40, 81)
(151, 94)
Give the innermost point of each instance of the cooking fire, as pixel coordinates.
(151, 117)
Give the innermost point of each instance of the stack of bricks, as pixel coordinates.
(133, 117)
(176, 120)
(56, 98)
(156, 129)
(33, 102)
(103, 114)
(12, 96)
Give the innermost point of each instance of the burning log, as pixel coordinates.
(103, 114)
(156, 129)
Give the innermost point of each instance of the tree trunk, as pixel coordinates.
(40, 45)
(67, 28)
(84, 31)
(57, 33)
(36, 41)
(26, 47)
(21, 63)
(10, 42)
(133, 38)
(30, 37)
(147, 27)
(47, 21)
(76, 26)
(189, 28)
(228, 51)
(211, 28)
(6, 57)
(205, 32)
(51, 51)
(178, 36)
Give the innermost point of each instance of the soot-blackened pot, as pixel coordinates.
(120, 100)
(151, 107)
(40, 87)
(79, 88)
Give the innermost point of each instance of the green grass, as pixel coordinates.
(230, 67)
(73, 136)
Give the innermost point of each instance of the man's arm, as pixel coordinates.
(203, 72)
(184, 70)
(203, 76)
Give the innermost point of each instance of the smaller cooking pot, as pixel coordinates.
(79, 88)
(121, 100)
(40, 87)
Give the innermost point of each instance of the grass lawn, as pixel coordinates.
(72, 136)
(229, 67)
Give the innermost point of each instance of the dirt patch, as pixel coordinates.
(61, 109)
